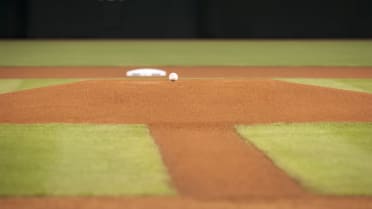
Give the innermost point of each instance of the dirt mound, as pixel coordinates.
(188, 101)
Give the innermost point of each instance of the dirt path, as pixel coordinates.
(192, 122)
(211, 161)
(225, 72)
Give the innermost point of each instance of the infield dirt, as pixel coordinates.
(192, 122)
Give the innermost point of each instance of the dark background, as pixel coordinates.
(185, 19)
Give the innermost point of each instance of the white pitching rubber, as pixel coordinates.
(146, 72)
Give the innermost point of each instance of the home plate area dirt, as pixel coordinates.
(192, 121)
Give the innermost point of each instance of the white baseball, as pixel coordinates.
(173, 77)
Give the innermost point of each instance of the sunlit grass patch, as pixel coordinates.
(330, 158)
(76, 159)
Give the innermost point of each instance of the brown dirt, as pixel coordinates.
(185, 203)
(226, 72)
(192, 122)
(212, 161)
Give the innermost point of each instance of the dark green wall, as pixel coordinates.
(186, 19)
(13, 18)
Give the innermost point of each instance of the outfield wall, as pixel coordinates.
(186, 19)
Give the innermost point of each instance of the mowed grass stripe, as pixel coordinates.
(13, 85)
(186, 53)
(80, 159)
(328, 158)
(360, 85)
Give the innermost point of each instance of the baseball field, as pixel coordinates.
(249, 124)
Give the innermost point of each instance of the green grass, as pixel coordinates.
(186, 53)
(329, 158)
(12, 85)
(66, 159)
(361, 85)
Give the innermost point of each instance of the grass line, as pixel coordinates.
(328, 158)
(80, 160)
(186, 53)
(359, 85)
(13, 85)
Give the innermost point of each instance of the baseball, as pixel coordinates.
(173, 77)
